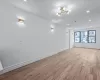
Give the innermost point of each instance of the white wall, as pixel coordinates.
(67, 38)
(90, 45)
(71, 38)
(31, 42)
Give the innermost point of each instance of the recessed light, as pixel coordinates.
(90, 20)
(88, 11)
(90, 26)
(25, 0)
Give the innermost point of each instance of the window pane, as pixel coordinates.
(92, 33)
(84, 36)
(92, 40)
(84, 40)
(77, 34)
(77, 40)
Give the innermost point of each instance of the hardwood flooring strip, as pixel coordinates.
(75, 64)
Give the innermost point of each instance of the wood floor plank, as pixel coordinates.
(75, 64)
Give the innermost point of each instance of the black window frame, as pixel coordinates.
(87, 36)
(81, 36)
(77, 37)
(92, 36)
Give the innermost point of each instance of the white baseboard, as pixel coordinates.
(13, 67)
(10, 68)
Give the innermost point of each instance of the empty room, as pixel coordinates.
(49, 40)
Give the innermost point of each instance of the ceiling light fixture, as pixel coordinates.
(21, 20)
(87, 11)
(90, 20)
(25, 0)
(63, 10)
(52, 28)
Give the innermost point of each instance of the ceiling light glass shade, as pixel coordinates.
(63, 10)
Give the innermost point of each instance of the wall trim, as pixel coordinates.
(15, 66)
(18, 65)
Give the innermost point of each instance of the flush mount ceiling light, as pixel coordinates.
(90, 20)
(25, 0)
(20, 20)
(88, 11)
(63, 10)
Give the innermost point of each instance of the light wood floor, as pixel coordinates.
(76, 64)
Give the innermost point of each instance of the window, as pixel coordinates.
(85, 36)
(92, 36)
(77, 37)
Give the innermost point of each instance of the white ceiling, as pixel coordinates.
(45, 9)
